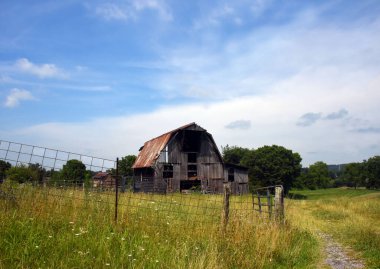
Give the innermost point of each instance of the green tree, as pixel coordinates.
(125, 165)
(319, 175)
(234, 154)
(22, 174)
(39, 170)
(303, 182)
(354, 174)
(4, 166)
(272, 165)
(74, 172)
(373, 172)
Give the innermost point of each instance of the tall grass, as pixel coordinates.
(351, 216)
(50, 228)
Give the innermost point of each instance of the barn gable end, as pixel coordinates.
(183, 159)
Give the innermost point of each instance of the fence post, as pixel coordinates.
(116, 188)
(259, 201)
(279, 203)
(269, 204)
(226, 204)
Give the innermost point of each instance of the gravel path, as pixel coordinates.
(337, 257)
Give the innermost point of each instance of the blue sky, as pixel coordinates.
(102, 77)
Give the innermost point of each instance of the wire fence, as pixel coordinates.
(50, 159)
(102, 189)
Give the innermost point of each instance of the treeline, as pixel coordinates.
(272, 165)
(318, 175)
(73, 173)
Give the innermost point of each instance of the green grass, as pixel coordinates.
(351, 216)
(50, 228)
(330, 193)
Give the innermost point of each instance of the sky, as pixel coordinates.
(102, 77)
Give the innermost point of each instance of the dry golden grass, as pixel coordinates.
(55, 228)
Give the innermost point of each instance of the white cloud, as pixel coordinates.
(272, 117)
(42, 71)
(157, 5)
(239, 124)
(130, 10)
(16, 96)
(110, 11)
(259, 60)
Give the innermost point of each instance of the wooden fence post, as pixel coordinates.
(259, 201)
(269, 204)
(116, 188)
(279, 203)
(226, 204)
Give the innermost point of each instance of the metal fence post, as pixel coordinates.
(116, 188)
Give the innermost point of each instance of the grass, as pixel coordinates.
(351, 216)
(67, 228)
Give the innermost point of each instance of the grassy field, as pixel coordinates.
(351, 216)
(50, 228)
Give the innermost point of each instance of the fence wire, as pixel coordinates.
(106, 192)
(50, 159)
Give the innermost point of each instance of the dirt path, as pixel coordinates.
(336, 255)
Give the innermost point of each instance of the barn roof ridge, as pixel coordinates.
(173, 131)
(154, 146)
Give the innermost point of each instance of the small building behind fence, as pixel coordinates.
(184, 159)
(103, 180)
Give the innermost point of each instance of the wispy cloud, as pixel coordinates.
(130, 10)
(16, 96)
(337, 115)
(308, 119)
(110, 11)
(374, 130)
(311, 117)
(41, 71)
(156, 5)
(239, 124)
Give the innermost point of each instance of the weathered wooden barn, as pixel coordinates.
(184, 159)
(103, 180)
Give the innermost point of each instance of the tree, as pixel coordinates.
(22, 174)
(234, 154)
(272, 165)
(373, 173)
(319, 173)
(125, 165)
(39, 170)
(354, 174)
(4, 166)
(73, 171)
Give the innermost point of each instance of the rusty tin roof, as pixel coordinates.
(152, 148)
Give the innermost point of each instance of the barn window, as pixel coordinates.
(164, 155)
(231, 174)
(192, 157)
(192, 170)
(168, 171)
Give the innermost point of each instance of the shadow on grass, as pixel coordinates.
(296, 196)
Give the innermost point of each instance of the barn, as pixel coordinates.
(186, 158)
(103, 180)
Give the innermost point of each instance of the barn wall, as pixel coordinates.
(208, 163)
